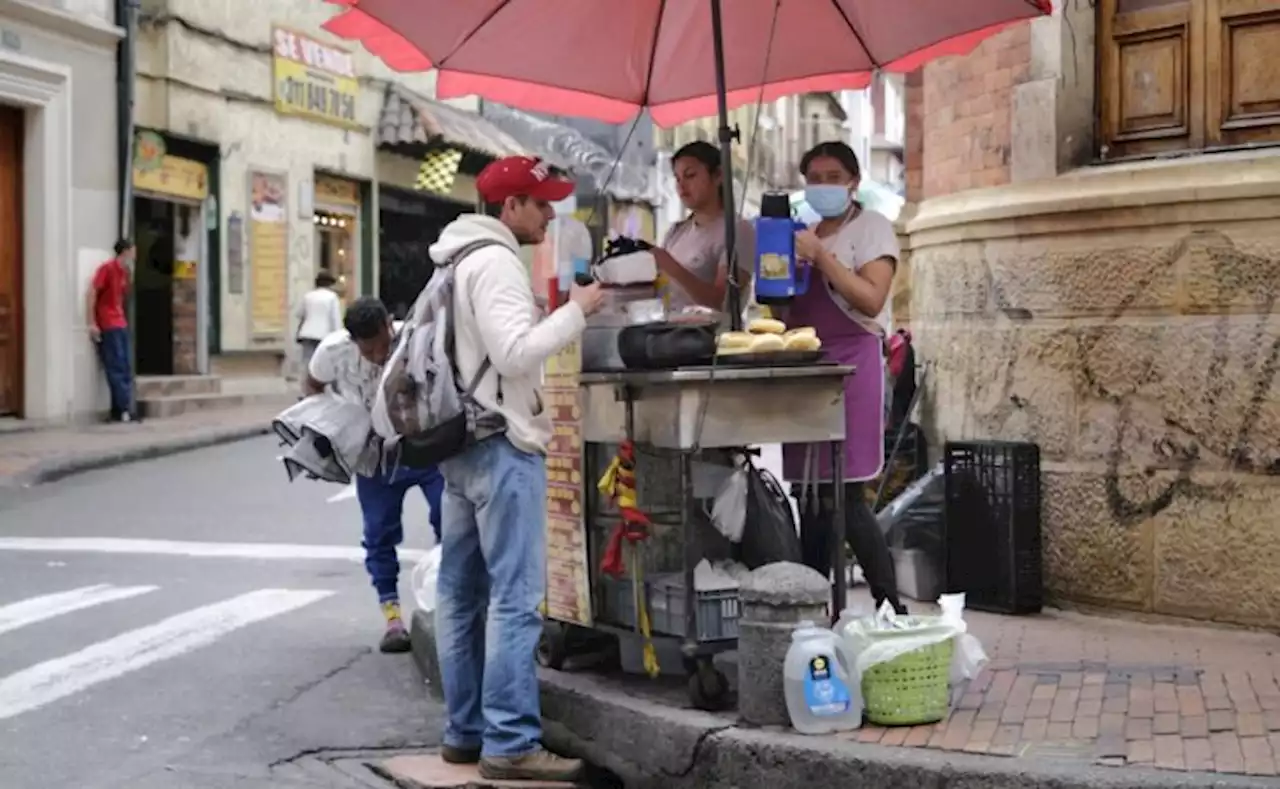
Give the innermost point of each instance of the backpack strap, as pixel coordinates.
(453, 260)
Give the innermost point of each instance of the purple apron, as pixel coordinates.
(843, 342)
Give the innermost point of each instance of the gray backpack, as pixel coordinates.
(420, 410)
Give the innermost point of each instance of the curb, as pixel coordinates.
(61, 468)
(652, 745)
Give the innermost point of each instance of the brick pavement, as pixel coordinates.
(23, 453)
(1114, 692)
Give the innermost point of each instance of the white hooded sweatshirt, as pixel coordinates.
(495, 315)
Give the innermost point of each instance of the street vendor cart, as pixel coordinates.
(668, 419)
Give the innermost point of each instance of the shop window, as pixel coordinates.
(335, 245)
(1186, 75)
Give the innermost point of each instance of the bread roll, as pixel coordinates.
(766, 326)
(767, 343)
(803, 331)
(732, 351)
(802, 342)
(733, 340)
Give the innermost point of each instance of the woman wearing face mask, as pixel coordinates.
(691, 259)
(854, 254)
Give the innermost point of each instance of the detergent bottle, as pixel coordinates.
(779, 276)
(823, 695)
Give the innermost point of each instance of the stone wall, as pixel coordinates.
(1126, 319)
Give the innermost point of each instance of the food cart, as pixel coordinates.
(671, 416)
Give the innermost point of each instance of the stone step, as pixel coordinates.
(173, 405)
(153, 386)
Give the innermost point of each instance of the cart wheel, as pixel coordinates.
(708, 687)
(553, 646)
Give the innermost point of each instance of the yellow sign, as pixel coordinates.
(175, 177)
(314, 80)
(268, 254)
(337, 191)
(568, 572)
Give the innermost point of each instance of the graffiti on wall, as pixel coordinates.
(1157, 396)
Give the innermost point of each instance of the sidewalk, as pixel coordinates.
(1068, 700)
(30, 457)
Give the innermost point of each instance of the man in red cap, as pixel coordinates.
(493, 533)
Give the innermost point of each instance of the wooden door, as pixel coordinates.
(11, 363)
(1242, 101)
(1152, 75)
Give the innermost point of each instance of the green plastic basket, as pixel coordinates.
(912, 689)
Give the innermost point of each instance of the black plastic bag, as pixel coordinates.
(769, 534)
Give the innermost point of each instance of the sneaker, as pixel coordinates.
(453, 755)
(539, 765)
(396, 637)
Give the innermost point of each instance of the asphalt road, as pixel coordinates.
(149, 641)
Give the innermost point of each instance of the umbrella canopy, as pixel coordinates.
(606, 59)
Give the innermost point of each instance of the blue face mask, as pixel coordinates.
(828, 200)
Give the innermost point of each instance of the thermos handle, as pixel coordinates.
(803, 268)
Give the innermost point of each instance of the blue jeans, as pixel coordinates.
(113, 349)
(492, 580)
(382, 504)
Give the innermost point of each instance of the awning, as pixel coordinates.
(411, 120)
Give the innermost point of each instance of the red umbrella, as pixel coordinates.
(607, 59)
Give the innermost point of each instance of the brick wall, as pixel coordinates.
(965, 111)
(913, 145)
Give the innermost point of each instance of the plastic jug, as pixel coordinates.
(848, 616)
(779, 276)
(822, 694)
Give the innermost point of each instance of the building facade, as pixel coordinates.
(269, 150)
(1105, 284)
(59, 198)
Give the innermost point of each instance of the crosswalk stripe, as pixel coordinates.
(55, 679)
(216, 550)
(37, 609)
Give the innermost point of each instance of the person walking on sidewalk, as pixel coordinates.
(350, 362)
(319, 314)
(109, 328)
(493, 562)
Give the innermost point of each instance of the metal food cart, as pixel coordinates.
(672, 416)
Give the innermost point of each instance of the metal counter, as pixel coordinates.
(711, 407)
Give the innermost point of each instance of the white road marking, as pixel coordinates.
(52, 680)
(37, 609)
(205, 550)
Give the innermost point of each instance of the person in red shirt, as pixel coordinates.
(109, 328)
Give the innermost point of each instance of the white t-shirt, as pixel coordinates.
(868, 236)
(700, 249)
(319, 314)
(337, 363)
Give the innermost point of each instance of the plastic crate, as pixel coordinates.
(718, 609)
(993, 525)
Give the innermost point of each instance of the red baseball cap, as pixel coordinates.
(521, 176)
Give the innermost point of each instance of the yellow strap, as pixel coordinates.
(651, 666)
(610, 478)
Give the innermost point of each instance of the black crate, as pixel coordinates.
(992, 541)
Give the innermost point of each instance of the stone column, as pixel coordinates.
(774, 598)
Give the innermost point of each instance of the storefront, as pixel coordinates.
(171, 279)
(340, 232)
(410, 222)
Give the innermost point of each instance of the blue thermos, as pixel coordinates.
(779, 276)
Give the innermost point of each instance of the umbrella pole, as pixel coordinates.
(726, 170)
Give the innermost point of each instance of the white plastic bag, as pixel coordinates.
(425, 574)
(880, 639)
(969, 655)
(729, 511)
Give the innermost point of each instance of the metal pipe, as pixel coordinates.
(127, 72)
(726, 169)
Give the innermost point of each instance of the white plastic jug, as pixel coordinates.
(823, 695)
